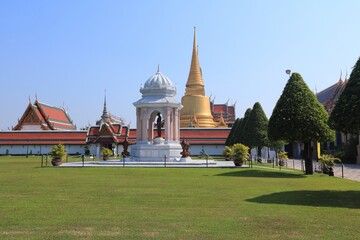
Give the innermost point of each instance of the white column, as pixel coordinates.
(150, 129)
(176, 125)
(138, 124)
(167, 124)
(144, 124)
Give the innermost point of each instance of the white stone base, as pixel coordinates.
(156, 151)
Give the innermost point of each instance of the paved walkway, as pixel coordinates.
(350, 171)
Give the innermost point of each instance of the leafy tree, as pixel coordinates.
(230, 138)
(299, 117)
(256, 128)
(241, 132)
(346, 114)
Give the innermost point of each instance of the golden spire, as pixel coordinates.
(195, 84)
(196, 106)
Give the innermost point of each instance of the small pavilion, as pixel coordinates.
(157, 103)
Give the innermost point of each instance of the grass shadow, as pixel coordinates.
(324, 198)
(262, 174)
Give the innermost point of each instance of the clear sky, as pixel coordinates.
(68, 52)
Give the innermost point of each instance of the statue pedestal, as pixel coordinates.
(159, 140)
(156, 151)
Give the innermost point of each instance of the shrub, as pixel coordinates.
(239, 151)
(58, 152)
(105, 152)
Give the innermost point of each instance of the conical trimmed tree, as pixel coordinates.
(232, 133)
(241, 132)
(299, 117)
(256, 128)
(345, 116)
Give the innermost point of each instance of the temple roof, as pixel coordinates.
(196, 136)
(329, 96)
(42, 137)
(47, 117)
(107, 133)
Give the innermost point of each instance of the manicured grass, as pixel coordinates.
(173, 203)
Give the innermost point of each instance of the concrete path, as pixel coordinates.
(349, 171)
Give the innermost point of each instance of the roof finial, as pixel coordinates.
(158, 70)
(105, 115)
(105, 110)
(195, 45)
(340, 74)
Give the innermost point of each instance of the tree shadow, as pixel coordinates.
(262, 174)
(324, 198)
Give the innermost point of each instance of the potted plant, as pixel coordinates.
(239, 153)
(327, 163)
(58, 153)
(282, 158)
(106, 153)
(226, 153)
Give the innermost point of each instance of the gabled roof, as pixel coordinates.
(56, 117)
(107, 133)
(329, 96)
(46, 116)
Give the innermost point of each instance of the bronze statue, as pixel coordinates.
(185, 149)
(158, 125)
(125, 153)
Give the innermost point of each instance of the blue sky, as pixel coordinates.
(68, 52)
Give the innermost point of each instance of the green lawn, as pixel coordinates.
(173, 203)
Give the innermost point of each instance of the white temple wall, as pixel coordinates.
(208, 149)
(37, 149)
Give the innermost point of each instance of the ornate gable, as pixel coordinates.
(29, 117)
(105, 130)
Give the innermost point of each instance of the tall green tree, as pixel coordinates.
(231, 136)
(299, 117)
(256, 134)
(345, 116)
(241, 132)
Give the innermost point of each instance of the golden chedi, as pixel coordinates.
(196, 106)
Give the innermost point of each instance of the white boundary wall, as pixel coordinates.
(38, 149)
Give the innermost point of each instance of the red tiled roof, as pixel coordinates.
(219, 108)
(48, 117)
(53, 113)
(114, 133)
(36, 110)
(57, 117)
(196, 135)
(42, 137)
